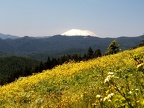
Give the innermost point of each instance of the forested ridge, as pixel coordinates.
(13, 67)
(41, 48)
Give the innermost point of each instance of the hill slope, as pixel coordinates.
(110, 81)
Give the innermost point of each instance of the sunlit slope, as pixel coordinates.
(110, 81)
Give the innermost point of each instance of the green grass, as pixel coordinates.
(114, 81)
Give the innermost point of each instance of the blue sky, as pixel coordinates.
(106, 18)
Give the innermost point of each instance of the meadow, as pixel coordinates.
(112, 81)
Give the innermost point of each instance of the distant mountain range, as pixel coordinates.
(40, 48)
(7, 36)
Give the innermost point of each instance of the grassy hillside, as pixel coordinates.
(114, 81)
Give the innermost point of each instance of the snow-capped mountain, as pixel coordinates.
(78, 32)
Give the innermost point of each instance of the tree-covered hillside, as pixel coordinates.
(112, 81)
(40, 48)
(14, 67)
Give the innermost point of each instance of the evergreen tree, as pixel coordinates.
(41, 66)
(90, 53)
(84, 57)
(97, 53)
(113, 48)
(67, 58)
(48, 63)
(63, 59)
(54, 63)
(76, 57)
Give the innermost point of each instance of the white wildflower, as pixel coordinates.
(109, 96)
(108, 78)
(110, 73)
(109, 100)
(140, 67)
(98, 96)
(105, 99)
(130, 92)
(39, 101)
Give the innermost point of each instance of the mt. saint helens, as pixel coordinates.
(78, 32)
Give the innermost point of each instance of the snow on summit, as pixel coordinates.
(78, 32)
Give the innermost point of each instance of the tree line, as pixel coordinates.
(113, 48)
(52, 62)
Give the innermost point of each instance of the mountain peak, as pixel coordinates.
(78, 32)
